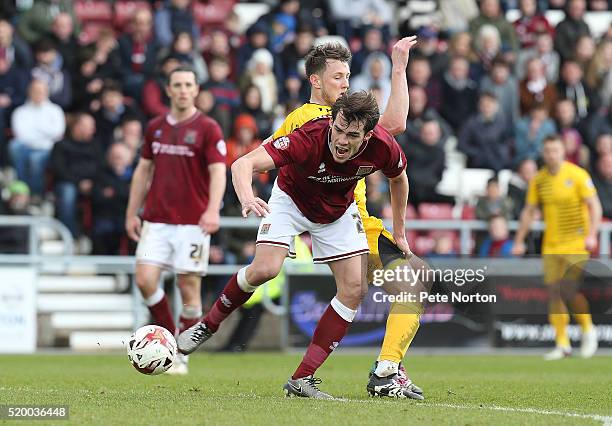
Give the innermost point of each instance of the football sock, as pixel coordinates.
(191, 315)
(386, 368)
(232, 297)
(329, 332)
(559, 319)
(580, 311)
(160, 310)
(402, 326)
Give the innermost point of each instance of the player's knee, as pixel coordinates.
(145, 283)
(353, 291)
(260, 272)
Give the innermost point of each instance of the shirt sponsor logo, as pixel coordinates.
(221, 147)
(333, 179)
(281, 143)
(190, 137)
(364, 170)
(180, 150)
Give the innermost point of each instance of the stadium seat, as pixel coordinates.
(124, 9)
(473, 183)
(423, 245)
(91, 31)
(435, 211)
(468, 212)
(88, 11)
(211, 13)
(504, 177)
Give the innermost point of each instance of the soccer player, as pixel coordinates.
(181, 173)
(320, 164)
(572, 214)
(327, 67)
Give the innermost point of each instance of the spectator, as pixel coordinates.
(574, 151)
(36, 126)
(109, 197)
(257, 38)
(351, 16)
(443, 246)
(205, 102)
(48, 68)
(376, 194)
(414, 15)
(571, 28)
(220, 45)
(456, 14)
(36, 22)
(292, 58)
(372, 42)
(565, 118)
(184, 49)
(543, 50)
(138, 52)
(572, 86)
(13, 48)
(376, 75)
(498, 243)
(493, 203)
(15, 239)
(114, 108)
(62, 35)
(603, 146)
(295, 90)
(172, 18)
(602, 178)
(13, 88)
(599, 72)
(418, 113)
(74, 165)
(488, 47)
(565, 115)
(504, 86)
(460, 44)
(491, 14)
(244, 138)
(419, 74)
(284, 24)
(530, 132)
(531, 24)
(459, 93)
(154, 99)
(131, 135)
(427, 158)
(428, 47)
(225, 93)
(534, 89)
(517, 187)
(584, 51)
(251, 104)
(599, 124)
(485, 136)
(259, 73)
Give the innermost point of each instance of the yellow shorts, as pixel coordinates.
(381, 244)
(563, 267)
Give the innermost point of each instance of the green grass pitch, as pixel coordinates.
(246, 389)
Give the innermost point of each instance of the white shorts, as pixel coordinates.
(181, 248)
(330, 241)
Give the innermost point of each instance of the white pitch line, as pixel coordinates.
(605, 420)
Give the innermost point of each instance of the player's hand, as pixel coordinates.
(402, 244)
(590, 242)
(401, 51)
(257, 206)
(133, 226)
(518, 248)
(209, 221)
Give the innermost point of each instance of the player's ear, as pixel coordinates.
(368, 135)
(315, 81)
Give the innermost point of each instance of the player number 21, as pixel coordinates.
(196, 251)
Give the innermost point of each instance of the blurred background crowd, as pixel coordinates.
(489, 80)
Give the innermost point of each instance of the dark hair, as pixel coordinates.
(317, 56)
(111, 86)
(182, 68)
(493, 180)
(44, 45)
(553, 138)
(358, 106)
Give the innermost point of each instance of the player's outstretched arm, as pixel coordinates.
(211, 218)
(595, 214)
(527, 218)
(243, 168)
(395, 116)
(398, 186)
(138, 191)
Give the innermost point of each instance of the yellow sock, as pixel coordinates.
(580, 311)
(402, 326)
(559, 319)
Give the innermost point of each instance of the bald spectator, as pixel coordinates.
(36, 126)
(138, 51)
(571, 28)
(36, 22)
(13, 48)
(602, 178)
(74, 164)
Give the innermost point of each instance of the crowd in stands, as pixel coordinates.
(79, 79)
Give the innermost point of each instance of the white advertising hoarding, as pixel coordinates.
(17, 310)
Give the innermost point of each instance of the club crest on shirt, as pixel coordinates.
(190, 137)
(281, 143)
(569, 183)
(221, 147)
(157, 134)
(364, 170)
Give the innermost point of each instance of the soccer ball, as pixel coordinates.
(151, 349)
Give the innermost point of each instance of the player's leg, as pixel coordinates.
(152, 255)
(558, 317)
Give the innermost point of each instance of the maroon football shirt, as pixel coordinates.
(181, 153)
(320, 187)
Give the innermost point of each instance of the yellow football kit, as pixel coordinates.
(403, 319)
(561, 198)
